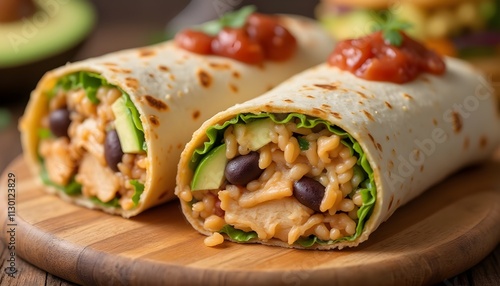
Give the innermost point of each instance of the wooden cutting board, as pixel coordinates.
(440, 234)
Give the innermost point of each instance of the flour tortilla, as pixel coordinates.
(174, 91)
(414, 134)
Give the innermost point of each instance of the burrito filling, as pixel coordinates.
(289, 177)
(92, 142)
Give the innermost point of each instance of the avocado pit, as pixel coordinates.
(15, 10)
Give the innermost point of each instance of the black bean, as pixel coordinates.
(59, 122)
(309, 192)
(243, 169)
(113, 150)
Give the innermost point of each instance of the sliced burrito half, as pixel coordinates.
(323, 159)
(107, 132)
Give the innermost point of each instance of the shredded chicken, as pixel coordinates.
(97, 179)
(60, 167)
(269, 219)
(81, 156)
(90, 137)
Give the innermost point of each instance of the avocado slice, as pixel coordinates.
(131, 139)
(209, 174)
(257, 133)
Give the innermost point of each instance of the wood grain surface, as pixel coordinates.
(442, 233)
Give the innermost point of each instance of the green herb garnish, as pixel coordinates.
(303, 143)
(234, 19)
(391, 27)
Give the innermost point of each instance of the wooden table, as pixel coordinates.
(114, 33)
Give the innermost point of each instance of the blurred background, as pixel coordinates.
(33, 41)
(157, 20)
(69, 30)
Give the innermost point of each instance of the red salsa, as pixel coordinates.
(261, 38)
(373, 58)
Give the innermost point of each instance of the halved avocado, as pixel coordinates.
(47, 39)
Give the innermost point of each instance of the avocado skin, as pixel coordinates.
(16, 83)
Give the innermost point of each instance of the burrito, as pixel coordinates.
(107, 132)
(320, 161)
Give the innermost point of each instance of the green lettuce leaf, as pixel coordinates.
(237, 234)
(215, 133)
(308, 241)
(45, 133)
(135, 118)
(133, 110)
(91, 82)
(113, 203)
(88, 81)
(72, 188)
(367, 187)
(139, 189)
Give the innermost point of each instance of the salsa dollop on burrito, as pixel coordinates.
(317, 162)
(107, 132)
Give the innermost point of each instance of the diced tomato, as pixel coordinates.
(235, 43)
(262, 37)
(194, 41)
(373, 58)
(277, 42)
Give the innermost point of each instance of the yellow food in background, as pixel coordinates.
(438, 22)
